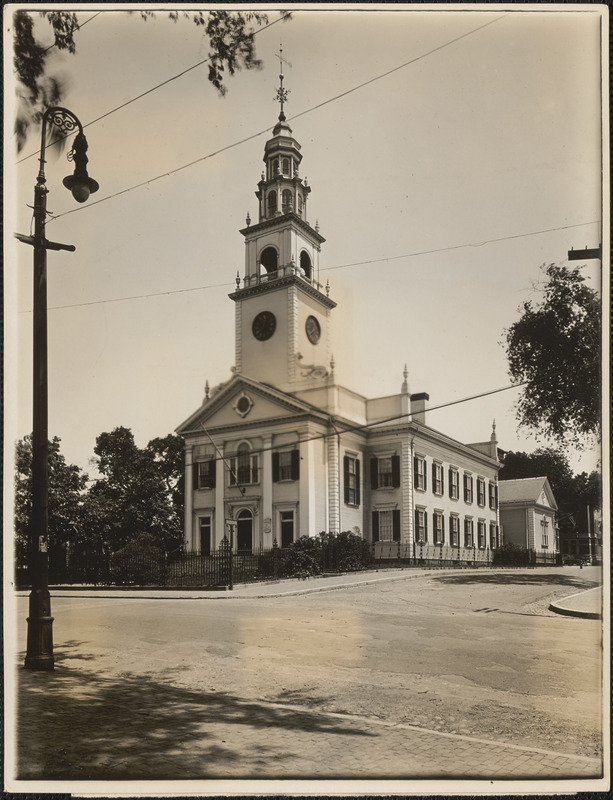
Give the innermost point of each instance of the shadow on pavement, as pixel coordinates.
(79, 724)
(531, 579)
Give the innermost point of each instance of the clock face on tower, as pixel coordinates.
(313, 330)
(264, 325)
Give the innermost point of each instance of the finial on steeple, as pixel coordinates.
(328, 288)
(281, 95)
(207, 389)
(317, 225)
(493, 436)
(332, 365)
(248, 219)
(238, 280)
(405, 383)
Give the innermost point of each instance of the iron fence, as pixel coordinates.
(223, 568)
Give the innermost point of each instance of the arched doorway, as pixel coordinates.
(244, 532)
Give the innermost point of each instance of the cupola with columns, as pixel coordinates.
(282, 311)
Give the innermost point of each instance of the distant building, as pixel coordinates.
(282, 450)
(528, 515)
(582, 538)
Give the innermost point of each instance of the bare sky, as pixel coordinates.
(486, 128)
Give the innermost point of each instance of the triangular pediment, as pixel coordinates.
(244, 401)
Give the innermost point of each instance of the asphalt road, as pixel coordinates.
(477, 655)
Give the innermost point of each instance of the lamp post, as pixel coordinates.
(39, 653)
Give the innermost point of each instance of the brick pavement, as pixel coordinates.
(95, 727)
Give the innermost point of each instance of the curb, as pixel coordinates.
(568, 611)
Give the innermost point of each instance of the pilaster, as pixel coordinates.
(333, 485)
(267, 520)
(292, 331)
(220, 523)
(188, 521)
(407, 508)
(307, 487)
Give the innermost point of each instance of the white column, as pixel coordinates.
(333, 485)
(188, 515)
(266, 510)
(306, 524)
(220, 511)
(407, 511)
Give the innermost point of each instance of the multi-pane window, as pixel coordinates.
(419, 468)
(481, 492)
(286, 201)
(244, 467)
(286, 465)
(454, 483)
(481, 534)
(493, 536)
(437, 478)
(287, 528)
(205, 536)
(285, 164)
(385, 472)
(468, 488)
(468, 533)
(421, 526)
(545, 533)
(454, 530)
(272, 202)
(438, 525)
(204, 474)
(352, 480)
(493, 491)
(386, 526)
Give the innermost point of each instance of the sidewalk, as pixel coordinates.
(586, 604)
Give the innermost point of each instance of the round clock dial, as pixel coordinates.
(264, 325)
(313, 330)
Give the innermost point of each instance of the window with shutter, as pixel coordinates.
(275, 467)
(396, 471)
(396, 524)
(419, 470)
(295, 465)
(351, 470)
(375, 526)
(204, 474)
(374, 473)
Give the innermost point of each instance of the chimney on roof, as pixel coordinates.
(419, 406)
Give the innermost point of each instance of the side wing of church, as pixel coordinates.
(281, 450)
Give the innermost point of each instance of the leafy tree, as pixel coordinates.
(548, 461)
(555, 348)
(137, 493)
(230, 35)
(66, 487)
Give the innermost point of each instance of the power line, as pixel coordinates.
(51, 46)
(149, 91)
(266, 130)
(348, 428)
(324, 269)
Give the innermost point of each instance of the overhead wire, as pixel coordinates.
(148, 91)
(266, 130)
(350, 428)
(323, 269)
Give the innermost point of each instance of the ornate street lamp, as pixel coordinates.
(39, 654)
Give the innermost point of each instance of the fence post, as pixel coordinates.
(225, 554)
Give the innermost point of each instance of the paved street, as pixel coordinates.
(440, 675)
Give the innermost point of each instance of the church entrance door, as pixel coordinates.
(244, 532)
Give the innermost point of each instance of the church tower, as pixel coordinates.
(282, 314)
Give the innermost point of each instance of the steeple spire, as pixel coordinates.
(282, 93)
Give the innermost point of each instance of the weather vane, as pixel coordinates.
(282, 93)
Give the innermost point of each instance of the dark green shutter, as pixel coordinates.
(425, 475)
(396, 524)
(425, 526)
(395, 471)
(295, 465)
(346, 477)
(496, 496)
(375, 526)
(374, 473)
(433, 477)
(415, 472)
(275, 467)
(195, 476)
(442, 529)
(357, 481)
(212, 473)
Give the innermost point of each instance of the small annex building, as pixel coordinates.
(281, 450)
(528, 515)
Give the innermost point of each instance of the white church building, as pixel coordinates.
(283, 451)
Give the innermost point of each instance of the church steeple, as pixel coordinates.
(282, 315)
